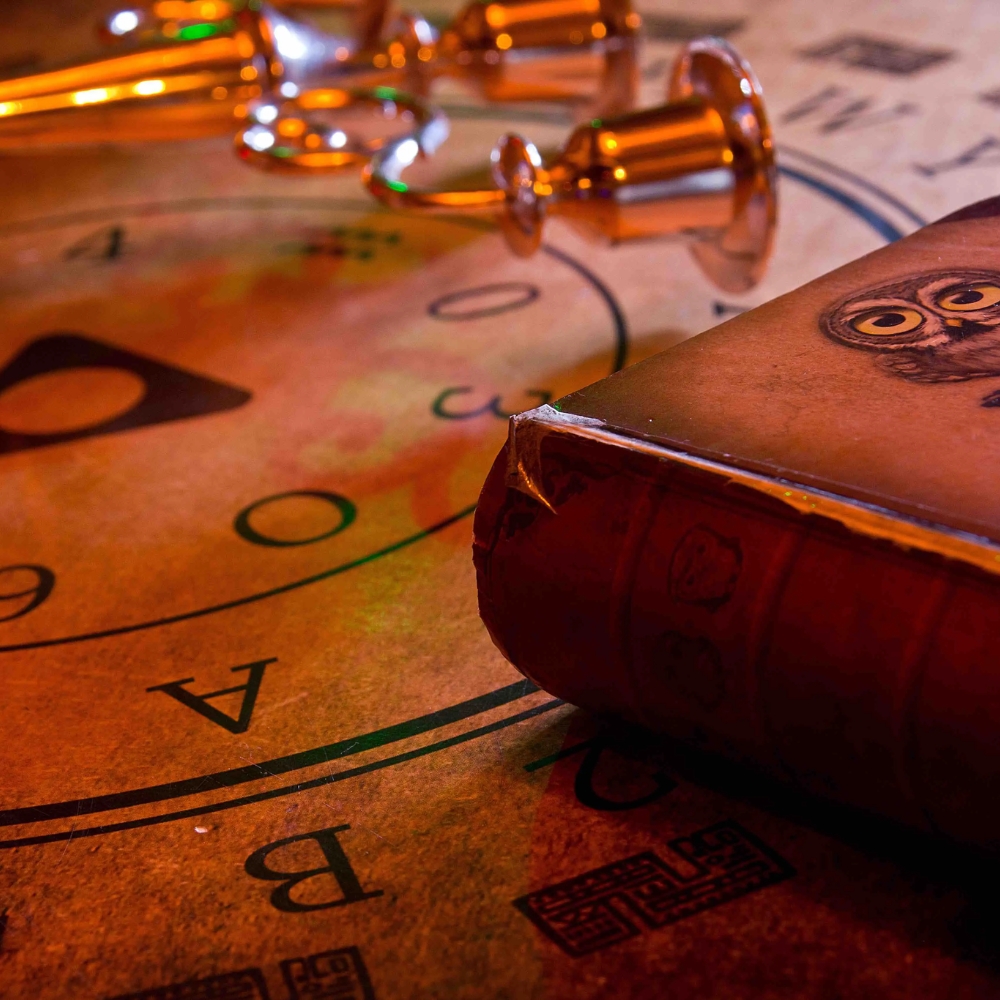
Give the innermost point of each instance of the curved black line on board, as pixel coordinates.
(621, 327)
(249, 599)
(886, 229)
(274, 793)
(861, 182)
(271, 768)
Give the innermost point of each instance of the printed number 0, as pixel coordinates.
(245, 530)
(36, 592)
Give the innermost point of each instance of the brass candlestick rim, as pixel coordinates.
(715, 103)
(383, 178)
(711, 70)
(285, 135)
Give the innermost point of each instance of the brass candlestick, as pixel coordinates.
(701, 166)
(577, 51)
(197, 83)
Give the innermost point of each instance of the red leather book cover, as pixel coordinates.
(780, 540)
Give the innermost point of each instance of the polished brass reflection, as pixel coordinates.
(190, 68)
(290, 135)
(164, 21)
(701, 166)
(577, 51)
(199, 82)
(580, 52)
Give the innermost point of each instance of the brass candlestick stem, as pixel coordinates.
(701, 166)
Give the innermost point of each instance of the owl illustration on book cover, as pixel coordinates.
(932, 327)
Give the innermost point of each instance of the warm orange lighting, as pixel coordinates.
(576, 37)
(95, 96)
(381, 60)
(195, 10)
(598, 30)
(398, 60)
(496, 17)
(633, 20)
(583, 183)
(219, 93)
(248, 73)
(504, 41)
(327, 98)
(425, 54)
(619, 173)
(291, 127)
(146, 88)
(610, 142)
(244, 45)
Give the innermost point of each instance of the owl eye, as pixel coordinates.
(888, 321)
(969, 297)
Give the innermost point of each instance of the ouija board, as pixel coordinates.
(256, 741)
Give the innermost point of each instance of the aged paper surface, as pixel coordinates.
(256, 739)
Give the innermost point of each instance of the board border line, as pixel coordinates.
(217, 780)
(327, 779)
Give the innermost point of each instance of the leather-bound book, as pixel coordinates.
(780, 540)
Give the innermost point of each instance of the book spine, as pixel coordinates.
(674, 598)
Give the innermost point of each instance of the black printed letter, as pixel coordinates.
(337, 865)
(199, 702)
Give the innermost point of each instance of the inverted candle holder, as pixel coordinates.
(199, 82)
(324, 128)
(187, 74)
(165, 21)
(701, 166)
(580, 52)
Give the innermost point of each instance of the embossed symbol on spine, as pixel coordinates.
(65, 387)
(610, 904)
(705, 567)
(692, 665)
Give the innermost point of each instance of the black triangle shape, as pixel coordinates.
(171, 393)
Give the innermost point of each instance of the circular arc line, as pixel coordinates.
(249, 599)
(886, 229)
(861, 182)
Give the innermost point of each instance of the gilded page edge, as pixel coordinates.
(524, 473)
